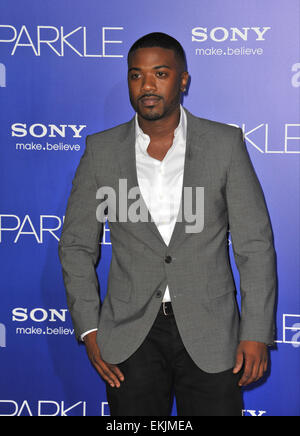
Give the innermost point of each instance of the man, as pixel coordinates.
(169, 323)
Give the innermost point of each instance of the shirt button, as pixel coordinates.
(158, 293)
(168, 259)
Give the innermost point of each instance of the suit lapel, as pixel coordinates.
(193, 173)
(128, 170)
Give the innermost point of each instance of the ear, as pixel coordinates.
(184, 80)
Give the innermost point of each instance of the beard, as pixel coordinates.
(157, 112)
(151, 114)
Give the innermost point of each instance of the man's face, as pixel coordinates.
(155, 81)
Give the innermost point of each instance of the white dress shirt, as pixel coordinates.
(160, 182)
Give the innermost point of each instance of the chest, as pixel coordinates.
(158, 150)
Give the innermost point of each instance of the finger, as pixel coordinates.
(117, 371)
(255, 371)
(247, 373)
(260, 372)
(105, 372)
(263, 368)
(114, 381)
(102, 373)
(239, 362)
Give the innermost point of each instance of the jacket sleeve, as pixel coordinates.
(79, 247)
(252, 243)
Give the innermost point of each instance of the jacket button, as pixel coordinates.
(168, 259)
(158, 293)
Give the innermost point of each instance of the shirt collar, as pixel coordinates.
(179, 132)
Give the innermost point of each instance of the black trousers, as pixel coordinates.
(161, 368)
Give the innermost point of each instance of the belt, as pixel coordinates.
(166, 308)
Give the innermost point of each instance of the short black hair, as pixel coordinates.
(158, 39)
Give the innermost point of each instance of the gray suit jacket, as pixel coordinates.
(198, 270)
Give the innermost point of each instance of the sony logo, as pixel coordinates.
(41, 130)
(22, 314)
(221, 34)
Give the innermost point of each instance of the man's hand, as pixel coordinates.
(109, 372)
(255, 357)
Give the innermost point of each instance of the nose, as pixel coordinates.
(148, 83)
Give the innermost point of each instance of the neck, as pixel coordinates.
(162, 127)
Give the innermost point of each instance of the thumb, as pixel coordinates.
(238, 362)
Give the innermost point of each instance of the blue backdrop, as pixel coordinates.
(63, 76)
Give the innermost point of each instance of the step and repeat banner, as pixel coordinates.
(63, 76)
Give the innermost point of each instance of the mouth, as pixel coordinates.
(149, 101)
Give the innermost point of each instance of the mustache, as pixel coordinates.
(149, 95)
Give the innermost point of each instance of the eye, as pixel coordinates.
(161, 73)
(134, 76)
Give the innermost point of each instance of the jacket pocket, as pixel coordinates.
(218, 288)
